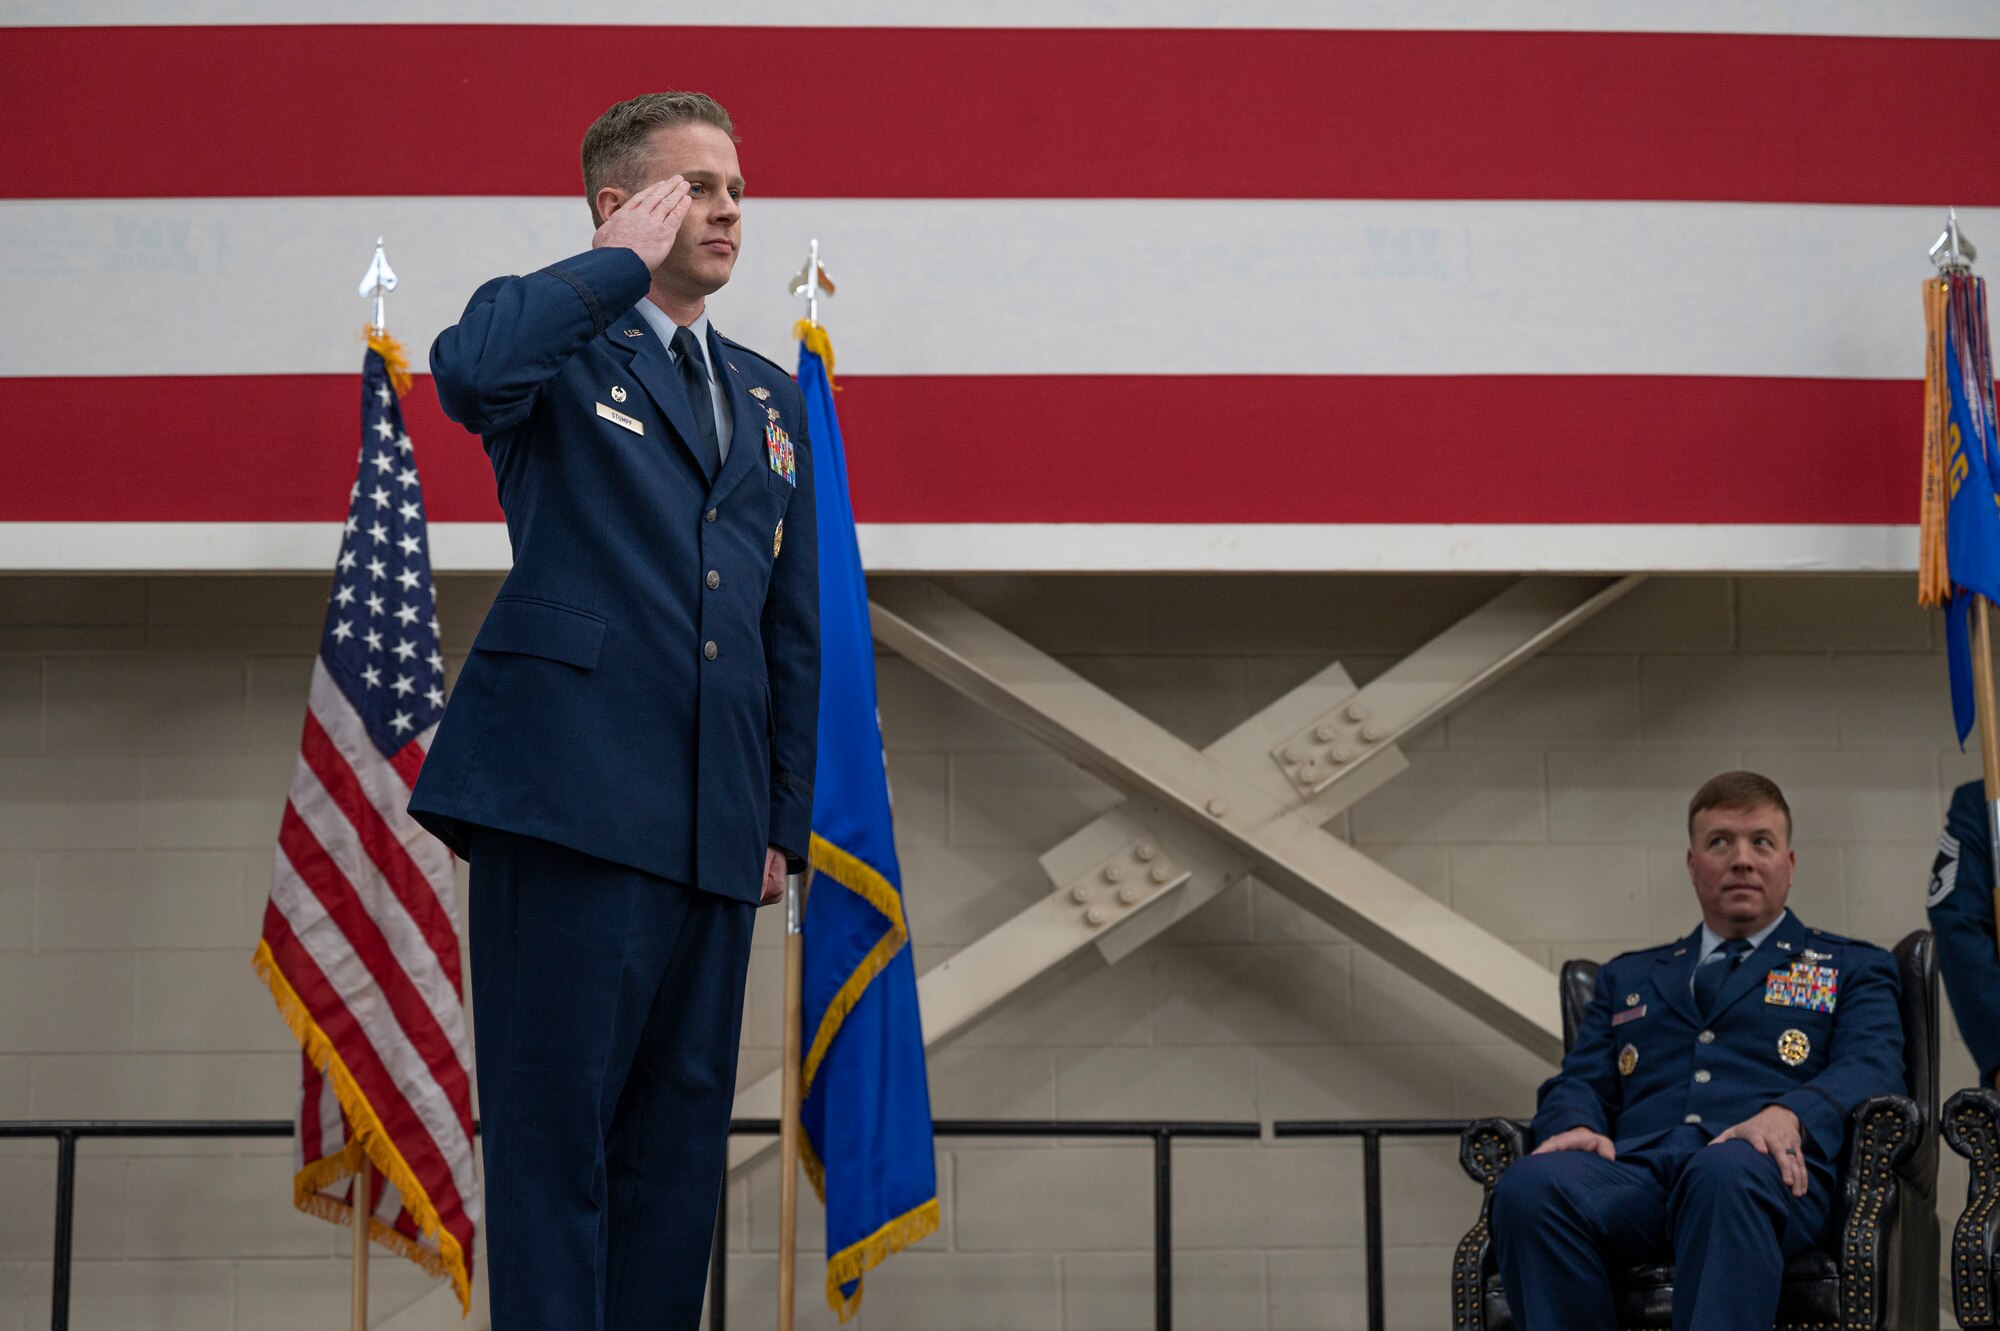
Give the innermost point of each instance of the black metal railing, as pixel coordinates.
(68, 1133)
(1371, 1132)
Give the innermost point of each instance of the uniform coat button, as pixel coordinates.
(709, 650)
(708, 516)
(1701, 1078)
(1693, 1120)
(714, 579)
(1706, 1037)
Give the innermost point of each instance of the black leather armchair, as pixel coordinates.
(1883, 1270)
(1972, 1126)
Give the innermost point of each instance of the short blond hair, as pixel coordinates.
(615, 146)
(1739, 791)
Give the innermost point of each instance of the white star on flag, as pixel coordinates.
(378, 532)
(376, 603)
(373, 639)
(345, 596)
(404, 685)
(410, 545)
(406, 650)
(376, 568)
(382, 394)
(383, 463)
(403, 443)
(402, 722)
(407, 614)
(406, 477)
(434, 695)
(343, 630)
(380, 496)
(347, 558)
(383, 428)
(437, 664)
(409, 512)
(373, 677)
(408, 577)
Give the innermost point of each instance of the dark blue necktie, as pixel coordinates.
(1711, 975)
(694, 377)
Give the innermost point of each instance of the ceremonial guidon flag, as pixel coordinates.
(1961, 518)
(866, 1110)
(360, 941)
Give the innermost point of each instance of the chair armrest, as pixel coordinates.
(1972, 1127)
(1887, 1133)
(1488, 1146)
(1485, 1150)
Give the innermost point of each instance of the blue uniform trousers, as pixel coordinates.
(1722, 1215)
(606, 1003)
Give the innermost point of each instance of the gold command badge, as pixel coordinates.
(1793, 1047)
(778, 538)
(760, 393)
(1628, 1058)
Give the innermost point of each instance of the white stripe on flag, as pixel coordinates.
(1106, 286)
(408, 946)
(350, 979)
(381, 782)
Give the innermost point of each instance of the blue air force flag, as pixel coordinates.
(1972, 520)
(866, 1108)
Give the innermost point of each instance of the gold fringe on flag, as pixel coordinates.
(819, 344)
(368, 1142)
(391, 352)
(1933, 570)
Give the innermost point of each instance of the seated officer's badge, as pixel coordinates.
(1628, 1059)
(760, 392)
(1794, 1047)
(778, 448)
(1814, 988)
(778, 538)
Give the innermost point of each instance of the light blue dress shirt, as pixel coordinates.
(718, 398)
(1711, 940)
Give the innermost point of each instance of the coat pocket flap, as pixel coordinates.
(541, 628)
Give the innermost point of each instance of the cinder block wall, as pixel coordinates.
(147, 734)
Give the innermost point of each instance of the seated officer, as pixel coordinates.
(1960, 903)
(1699, 1117)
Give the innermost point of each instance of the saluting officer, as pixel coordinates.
(1700, 1114)
(1960, 903)
(627, 759)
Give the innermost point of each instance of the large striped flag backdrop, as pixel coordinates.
(360, 941)
(1406, 284)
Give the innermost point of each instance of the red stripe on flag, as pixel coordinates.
(412, 1140)
(312, 1139)
(1103, 448)
(408, 762)
(1143, 114)
(383, 849)
(360, 933)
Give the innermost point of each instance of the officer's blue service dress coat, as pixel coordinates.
(645, 688)
(1783, 1032)
(1960, 903)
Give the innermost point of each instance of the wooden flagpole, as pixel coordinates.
(788, 1125)
(1989, 734)
(364, 1205)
